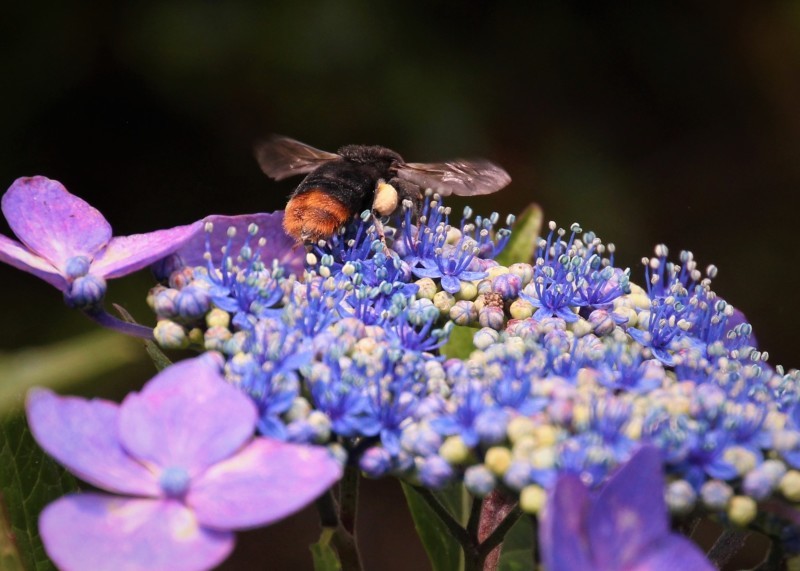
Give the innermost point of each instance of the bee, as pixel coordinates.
(360, 177)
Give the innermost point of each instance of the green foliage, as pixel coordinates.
(63, 365)
(29, 480)
(524, 234)
(160, 360)
(460, 345)
(444, 551)
(517, 553)
(323, 553)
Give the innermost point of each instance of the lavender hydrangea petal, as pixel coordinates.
(279, 246)
(562, 530)
(126, 254)
(265, 482)
(673, 552)
(52, 222)
(96, 531)
(187, 416)
(629, 512)
(82, 435)
(17, 255)
(451, 284)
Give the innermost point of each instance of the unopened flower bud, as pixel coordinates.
(532, 499)
(85, 292)
(742, 510)
(498, 459)
(427, 288)
(789, 485)
(479, 480)
(463, 313)
(218, 318)
(520, 309)
(524, 271)
(485, 337)
(435, 473)
(170, 335)
(680, 497)
(375, 462)
(468, 291)
(716, 495)
(454, 450)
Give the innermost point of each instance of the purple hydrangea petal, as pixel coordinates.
(451, 284)
(562, 531)
(17, 255)
(279, 246)
(673, 552)
(186, 416)
(629, 513)
(52, 222)
(126, 254)
(266, 481)
(82, 435)
(97, 531)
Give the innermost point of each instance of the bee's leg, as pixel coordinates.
(376, 221)
(407, 191)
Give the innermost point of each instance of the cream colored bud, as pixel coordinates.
(742, 510)
(498, 459)
(532, 499)
(789, 485)
(454, 451)
(519, 427)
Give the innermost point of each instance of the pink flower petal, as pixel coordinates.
(265, 482)
(126, 254)
(101, 532)
(82, 435)
(187, 416)
(52, 222)
(279, 246)
(17, 255)
(562, 531)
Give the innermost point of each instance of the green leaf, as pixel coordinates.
(323, 554)
(29, 480)
(459, 345)
(160, 360)
(524, 234)
(444, 551)
(517, 553)
(62, 365)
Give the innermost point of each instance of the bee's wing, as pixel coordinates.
(465, 178)
(282, 157)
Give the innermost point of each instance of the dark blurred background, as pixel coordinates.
(647, 122)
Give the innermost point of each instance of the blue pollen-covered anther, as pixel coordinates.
(77, 266)
(174, 481)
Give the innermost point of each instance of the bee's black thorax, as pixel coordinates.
(350, 182)
(367, 154)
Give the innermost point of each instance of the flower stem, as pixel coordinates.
(99, 315)
(499, 512)
(342, 540)
(348, 499)
(489, 550)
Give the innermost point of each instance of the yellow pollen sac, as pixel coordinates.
(385, 199)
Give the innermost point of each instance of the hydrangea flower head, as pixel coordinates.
(623, 527)
(68, 243)
(184, 468)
